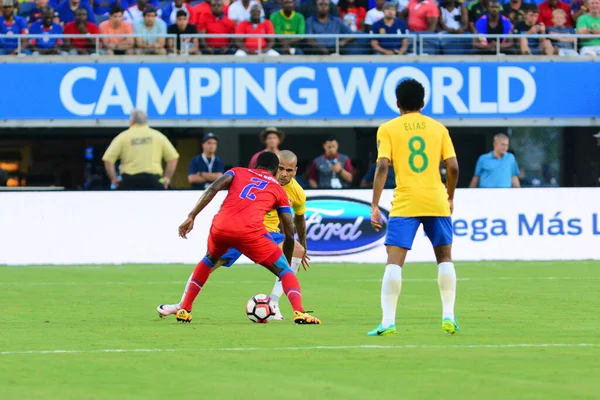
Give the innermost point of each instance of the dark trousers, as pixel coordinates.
(141, 181)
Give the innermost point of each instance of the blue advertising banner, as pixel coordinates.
(247, 91)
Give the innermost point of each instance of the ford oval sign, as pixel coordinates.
(340, 225)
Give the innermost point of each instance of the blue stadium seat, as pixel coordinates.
(163, 3)
(196, 2)
(101, 18)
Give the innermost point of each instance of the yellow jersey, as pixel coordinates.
(297, 198)
(141, 149)
(416, 144)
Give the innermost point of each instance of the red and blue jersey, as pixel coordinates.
(45, 42)
(252, 194)
(16, 27)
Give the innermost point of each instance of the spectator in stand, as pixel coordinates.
(206, 168)
(454, 19)
(204, 9)
(36, 13)
(103, 7)
(135, 13)
(66, 11)
(47, 45)
(271, 7)
(10, 24)
(369, 178)
(256, 25)
(170, 12)
(325, 23)
(331, 170)
(423, 17)
(81, 26)
(492, 23)
(578, 8)
(116, 26)
(590, 24)
(216, 23)
(476, 9)
(514, 10)
(392, 26)
(563, 45)
(309, 8)
(182, 27)
(149, 28)
(352, 15)
(239, 10)
(498, 168)
(271, 138)
(288, 22)
(546, 9)
(531, 26)
(373, 15)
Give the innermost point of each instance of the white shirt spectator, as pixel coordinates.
(238, 13)
(133, 14)
(373, 15)
(450, 19)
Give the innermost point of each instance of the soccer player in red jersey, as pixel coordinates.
(252, 193)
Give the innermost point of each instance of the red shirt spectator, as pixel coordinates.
(71, 28)
(216, 25)
(419, 13)
(548, 6)
(352, 15)
(248, 28)
(203, 9)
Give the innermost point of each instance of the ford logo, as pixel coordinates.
(340, 225)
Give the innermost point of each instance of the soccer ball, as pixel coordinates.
(260, 309)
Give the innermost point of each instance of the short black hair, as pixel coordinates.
(116, 10)
(182, 13)
(269, 161)
(330, 138)
(532, 8)
(410, 95)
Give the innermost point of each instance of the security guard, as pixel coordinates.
(141, 150)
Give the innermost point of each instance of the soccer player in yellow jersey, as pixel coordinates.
(415, 145)
(285, 175)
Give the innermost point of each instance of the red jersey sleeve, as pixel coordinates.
(269, 27)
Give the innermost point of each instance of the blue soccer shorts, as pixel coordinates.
(233, 255)
(401, 231)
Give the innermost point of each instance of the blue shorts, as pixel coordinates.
(401, 231)
(233, 255)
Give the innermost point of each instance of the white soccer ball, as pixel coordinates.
(260, 309)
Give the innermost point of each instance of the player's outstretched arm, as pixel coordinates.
(451, 179)
(288, 231)
(220, 184)
(381, 173)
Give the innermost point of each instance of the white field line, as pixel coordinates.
(236, 282)
(357, 347)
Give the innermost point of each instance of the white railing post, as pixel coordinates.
(97, 45)
(337, 44)
(498, 45)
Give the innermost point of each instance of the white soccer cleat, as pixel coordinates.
(165, 310)
(278, 316)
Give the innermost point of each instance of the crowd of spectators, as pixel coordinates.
(151, 20)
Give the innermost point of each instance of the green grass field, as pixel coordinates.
(529, 331)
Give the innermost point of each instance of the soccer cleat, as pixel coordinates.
(278, 316)
(164, 310)
(381, 331)
(301, 318)
(184, 315)
(450, 326)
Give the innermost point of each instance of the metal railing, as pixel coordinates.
(418, 42)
